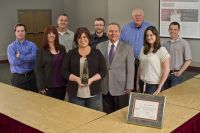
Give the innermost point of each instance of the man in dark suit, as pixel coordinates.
(119, 80)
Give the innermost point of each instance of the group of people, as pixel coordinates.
(112, 63)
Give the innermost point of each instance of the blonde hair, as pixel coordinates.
(137, 10)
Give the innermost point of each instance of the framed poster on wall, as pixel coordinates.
(186, 12)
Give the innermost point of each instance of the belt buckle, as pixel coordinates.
(27, 73)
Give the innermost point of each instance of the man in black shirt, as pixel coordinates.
(99, 35)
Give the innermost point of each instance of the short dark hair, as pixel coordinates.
(175, 23)
(100, 19)
(156, 45)
(79, 32)
(63, 14)
(47, 30)
(19, 24)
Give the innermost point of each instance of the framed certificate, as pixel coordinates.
(146, 110)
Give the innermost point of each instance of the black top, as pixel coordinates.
(95, 39)
(71, 65)
(44, 68)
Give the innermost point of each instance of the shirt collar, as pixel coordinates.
(136, 26)
(20, 42)
(96, 37)
(178, 39)
(62, 33)
(109, 44)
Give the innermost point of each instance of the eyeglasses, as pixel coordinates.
(98, 25)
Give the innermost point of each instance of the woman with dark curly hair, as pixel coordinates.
(83, 68)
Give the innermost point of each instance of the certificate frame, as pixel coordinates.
(146, 110)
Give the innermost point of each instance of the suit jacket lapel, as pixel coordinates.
(104, 50)
(106, 53)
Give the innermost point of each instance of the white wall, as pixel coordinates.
(8, 13)
(82, 13)
(70, 10)
(120, 11)
(195, 48)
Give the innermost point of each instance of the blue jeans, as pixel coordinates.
(150, 88)
(172, 81)
(91, 102)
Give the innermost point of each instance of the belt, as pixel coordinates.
(172, 71)
(25, 74)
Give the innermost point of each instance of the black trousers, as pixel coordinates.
(57, 92)
(25, 81)
(114, 103)
(137, 62)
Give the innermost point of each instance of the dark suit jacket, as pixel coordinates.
(71, 65)
(120, 75)
(43, 67)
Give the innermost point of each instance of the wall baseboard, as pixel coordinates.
(195, 64)
(3, 61)
(193, 69)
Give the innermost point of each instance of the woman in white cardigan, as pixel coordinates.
(154, 64)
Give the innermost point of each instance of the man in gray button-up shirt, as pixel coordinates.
(180, 54)
(66, 36)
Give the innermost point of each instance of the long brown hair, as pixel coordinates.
(156, 45)
(47, 30)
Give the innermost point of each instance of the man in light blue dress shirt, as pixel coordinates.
(21, 56)
(133, 33)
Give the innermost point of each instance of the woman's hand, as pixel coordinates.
(44, 92)
(90, 81)
(94, 78)
(78, 80)
(157, 91)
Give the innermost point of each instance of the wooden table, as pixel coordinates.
(197, 76)
(117, 122)
(43, 113)
(186, 94)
